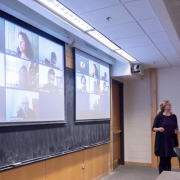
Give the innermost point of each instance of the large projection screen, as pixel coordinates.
(92, 88)
(31, 75)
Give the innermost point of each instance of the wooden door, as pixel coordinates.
(116, 121)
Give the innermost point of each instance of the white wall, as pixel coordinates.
(137, 122)
(168, 88)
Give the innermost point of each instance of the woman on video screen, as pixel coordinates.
(95, 71)
(24, 49)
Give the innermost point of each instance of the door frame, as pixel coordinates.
(121, 101)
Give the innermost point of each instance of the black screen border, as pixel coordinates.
(89, 120)
(43, 34)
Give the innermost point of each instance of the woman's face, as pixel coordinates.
(168, 106)
(21, 44)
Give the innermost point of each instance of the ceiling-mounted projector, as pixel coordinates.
(137, 68)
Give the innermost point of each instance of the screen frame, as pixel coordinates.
(90, 120)
(47, 36)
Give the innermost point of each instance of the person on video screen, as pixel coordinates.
(95, 105)
(104, 92)
(50, 87)
(23, 78)
(105, 76)
(24, 49)
(96, 86)
(83, 84)
(95, 71)
(25, 112)
(53, 60)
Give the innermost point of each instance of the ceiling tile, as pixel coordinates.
(140, 9)
(133, 42)
(122, 31)
(159, 37)
(118, 14)
(157, 65)
(151, 25)
(146, 54)
(82, 6)
(165, 47)
(126, 1)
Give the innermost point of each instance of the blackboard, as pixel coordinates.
(20, 145)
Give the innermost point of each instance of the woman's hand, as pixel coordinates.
(161, 129)
(176, 131)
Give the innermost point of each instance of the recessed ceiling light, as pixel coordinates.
(64, 12)
(97, 35)
(125, 54)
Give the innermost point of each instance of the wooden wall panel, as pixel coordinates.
(69, 60)
(67, 167)
(96, 162)
(34, 171)
(111, 131)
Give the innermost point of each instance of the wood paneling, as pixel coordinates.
(96, 162)
(137, 163)
(34, 171)
(111, 131)
(67, 167)
(153, 100)
(116, 120)
(69, 60)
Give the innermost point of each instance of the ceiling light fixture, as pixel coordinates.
(64, 12)
(125, 54)
(97, 35)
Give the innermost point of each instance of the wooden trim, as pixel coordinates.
(153, 101)
(102, 176)
(137, 163)
(175, 167)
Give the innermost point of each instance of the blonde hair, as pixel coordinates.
(162, 106)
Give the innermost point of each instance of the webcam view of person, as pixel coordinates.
(104, 92)
(83, 84)
(105, 76)
(96, 86)
(50, 87)
(95, 105)
(25, 112)
(53, 60)
(95, 71)
(23, 78)
(24, 49)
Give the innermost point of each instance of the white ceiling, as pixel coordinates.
(134, 26)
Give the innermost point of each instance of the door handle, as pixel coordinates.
(117, 132)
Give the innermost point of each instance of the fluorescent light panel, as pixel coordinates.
(60, 9)
(125, 54)
(97, 35)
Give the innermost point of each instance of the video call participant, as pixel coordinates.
(23, 78)
(83, 84)
(104, 92)
(24, 49)
(50, 87)
(95, 105)
(96, 86)
(105, 76)
(53, 60)
(95, 71)
(25, 112)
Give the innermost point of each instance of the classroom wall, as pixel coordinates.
(137, 123)
(168, 88)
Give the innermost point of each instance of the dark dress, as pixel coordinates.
(168, 137)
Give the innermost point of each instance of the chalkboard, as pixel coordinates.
(20, 145)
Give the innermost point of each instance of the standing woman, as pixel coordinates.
(166, 128)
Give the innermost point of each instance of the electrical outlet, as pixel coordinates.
(83, 166)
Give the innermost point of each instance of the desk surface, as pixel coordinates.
(169, 175)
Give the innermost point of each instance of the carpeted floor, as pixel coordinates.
(128, 172)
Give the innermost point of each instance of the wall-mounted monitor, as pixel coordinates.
(31, 75)
(92, 88)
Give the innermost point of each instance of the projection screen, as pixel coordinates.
(92, 88)
(31, 75)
